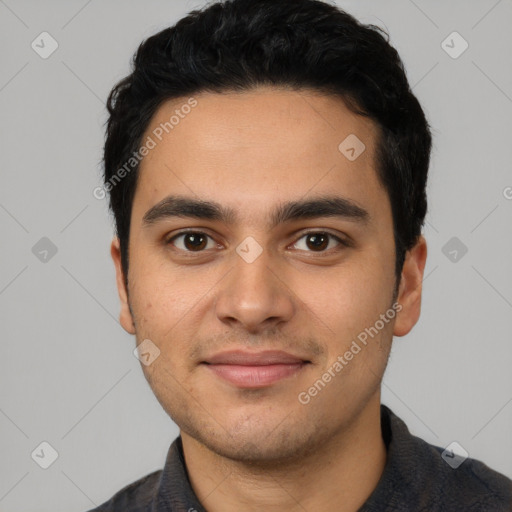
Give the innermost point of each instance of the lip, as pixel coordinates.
(245, 358)
(254, 369)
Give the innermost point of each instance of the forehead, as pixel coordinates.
(248, 149)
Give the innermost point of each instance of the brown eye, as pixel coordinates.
(192, 241)
(318, 241)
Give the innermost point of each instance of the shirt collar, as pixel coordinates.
(175, 491)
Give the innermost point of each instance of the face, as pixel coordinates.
(261, 252)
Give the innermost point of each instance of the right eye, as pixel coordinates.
(191, 241)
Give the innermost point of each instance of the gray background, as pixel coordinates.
(68, 375)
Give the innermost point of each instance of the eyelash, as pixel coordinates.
(340, 241)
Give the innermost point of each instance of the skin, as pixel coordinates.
(251, 448)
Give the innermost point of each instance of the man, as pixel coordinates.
(267, 164)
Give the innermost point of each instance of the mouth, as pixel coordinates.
(254, 369)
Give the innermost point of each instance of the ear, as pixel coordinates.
(409, 291)
(125, 316)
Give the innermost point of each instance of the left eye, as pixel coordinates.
(318, 241)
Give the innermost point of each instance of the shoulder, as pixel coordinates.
(135, 497)
(424, 477)
(473, 485)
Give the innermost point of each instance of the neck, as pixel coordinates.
(339, 476)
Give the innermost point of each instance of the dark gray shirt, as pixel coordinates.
(415, 479)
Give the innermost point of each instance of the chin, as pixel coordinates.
(261, 446)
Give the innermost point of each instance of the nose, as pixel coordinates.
(254, 296)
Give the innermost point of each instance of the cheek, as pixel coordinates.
(347, 295)
(346, 302)
(156, 301)
(167, 301)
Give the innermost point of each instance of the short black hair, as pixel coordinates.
(237, 45)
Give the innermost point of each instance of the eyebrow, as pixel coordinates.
(325, 206)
